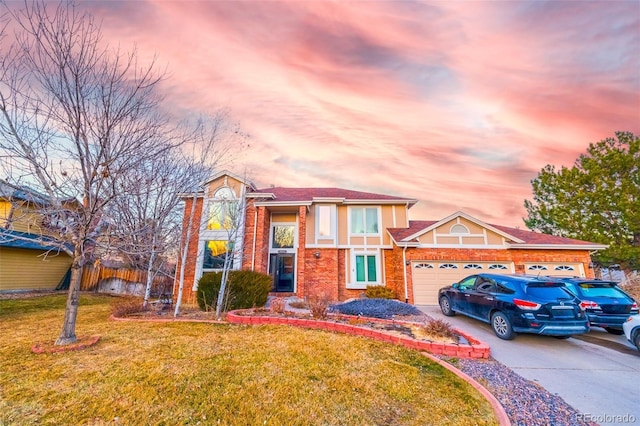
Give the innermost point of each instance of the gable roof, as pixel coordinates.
(516, 238)
(307, 196)
(222, 173)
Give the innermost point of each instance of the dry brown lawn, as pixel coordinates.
(145, 373)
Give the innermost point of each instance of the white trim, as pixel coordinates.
(457, 215)
(333, 223)
(353, 284)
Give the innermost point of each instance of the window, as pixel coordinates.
(563, 268)
(223, 210)
(366, 268)
(448, 266)
(423, 266)
(472, 266)
(325, 222)
(537, 268)
(283, 236)
(458, 229)
(215, 252)
(364, 220)
(498, 266)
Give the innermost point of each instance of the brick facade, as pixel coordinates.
(321, 271)
(188, 296)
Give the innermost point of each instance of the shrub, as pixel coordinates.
(277, 304)
(299, 304)
(127, 307)
(376, 308)
(379, 292)
(245, 289)
(441, 328)
(319, 306)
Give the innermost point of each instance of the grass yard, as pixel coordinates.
(143, 373)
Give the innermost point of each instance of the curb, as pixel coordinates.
(427, 349)
(498, 409)
(477, 349)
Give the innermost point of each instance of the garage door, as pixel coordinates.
(556, 269)
(429, 276)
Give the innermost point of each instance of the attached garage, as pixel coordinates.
(429, 276)
(436, 254)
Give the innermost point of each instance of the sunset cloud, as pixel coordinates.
(457, 104)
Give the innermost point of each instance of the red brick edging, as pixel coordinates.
(477, 349)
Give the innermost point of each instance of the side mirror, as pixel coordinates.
(455, 285)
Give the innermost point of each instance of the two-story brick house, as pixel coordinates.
(335, 242)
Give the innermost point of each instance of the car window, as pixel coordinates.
(504, 288)
(467, 283)
(485, 285)
(551, 291)
(600, 290)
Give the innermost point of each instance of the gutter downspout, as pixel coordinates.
(404, 266)
(255, 233)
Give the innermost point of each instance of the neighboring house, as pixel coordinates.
(29, 257)
(333, 243)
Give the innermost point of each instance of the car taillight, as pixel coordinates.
(588, 304)
(525, 304)
(634, 308)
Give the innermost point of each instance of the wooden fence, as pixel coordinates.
(95, 276)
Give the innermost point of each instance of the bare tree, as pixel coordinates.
(214, 142)
(149, 219)
(75, 119)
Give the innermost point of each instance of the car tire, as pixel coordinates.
(636, 340)
(445, 306)
(562, 337)
(502, 326)
(614, 331)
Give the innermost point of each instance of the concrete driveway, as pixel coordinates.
(598, 374)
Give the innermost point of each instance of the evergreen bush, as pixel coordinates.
(245, 289)
(379, 292)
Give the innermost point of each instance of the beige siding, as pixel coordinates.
(388, 221)
(402, 216)
(426, 238)
(494, 239)
(343, 225)
(214, 185)
(24, 269)
(448, 240)
(285, 218)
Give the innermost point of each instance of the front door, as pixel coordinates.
(282, 269)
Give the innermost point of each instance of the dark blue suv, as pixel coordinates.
(516, 304)
(606, 305)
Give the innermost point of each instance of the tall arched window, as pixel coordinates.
(223, 210)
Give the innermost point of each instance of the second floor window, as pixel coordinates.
(364, 220)
(223, 210)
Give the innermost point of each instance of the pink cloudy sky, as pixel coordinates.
(458, 104)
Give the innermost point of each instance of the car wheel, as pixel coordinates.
(636, 340)
(502, 326)
(562, 337)
(445, 306)
(614, 331)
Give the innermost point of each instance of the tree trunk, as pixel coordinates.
(150, 275)
(68, 334)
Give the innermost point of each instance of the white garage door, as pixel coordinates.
(430, 276)
(555, 269)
